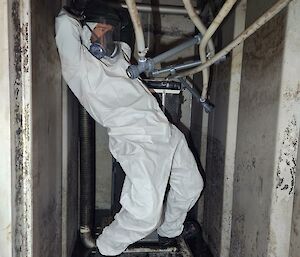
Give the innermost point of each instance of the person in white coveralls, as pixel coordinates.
(151, 151)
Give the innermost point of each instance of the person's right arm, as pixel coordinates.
(68, 43)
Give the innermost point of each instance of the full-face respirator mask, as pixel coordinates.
(104, 25)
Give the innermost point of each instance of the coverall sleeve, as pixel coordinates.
(68, 42)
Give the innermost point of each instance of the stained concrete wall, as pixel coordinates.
(295, 246)
(103, 169)
(31, 128)
(216, 144)
(6, 191)
(256, 142)
(46, 130)
(262, 176)
(295, 235)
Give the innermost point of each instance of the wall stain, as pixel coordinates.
(22, 246)
(286, 168)
(293, 94)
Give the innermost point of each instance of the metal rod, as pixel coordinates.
(163, 9)
(192, 90)
(173, 69)
(194, 41)
(148, 65)
(145, 249)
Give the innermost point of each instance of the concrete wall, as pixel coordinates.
(295, 235)
(31, 135)
(6, 191)
(254, 219)
(216, 145)
(103, 169)
(46, 130)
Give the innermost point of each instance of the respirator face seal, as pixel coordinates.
(104, 38)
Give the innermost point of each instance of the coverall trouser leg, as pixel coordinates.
(186, 185)
(147, 167)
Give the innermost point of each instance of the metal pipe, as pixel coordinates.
(163, 9)
(208, 107)
(172, 69)
(194, 16)
(177, 49)
(207, 36)
(147, 65)
(138, 30)
(87, 177)
(192, 90)
(268, 15)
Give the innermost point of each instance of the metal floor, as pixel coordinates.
(198, 249)
(195, 247)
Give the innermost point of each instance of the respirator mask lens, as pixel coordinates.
(104, 38)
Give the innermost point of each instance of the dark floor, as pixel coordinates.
(197, 245)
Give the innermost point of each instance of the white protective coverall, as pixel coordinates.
(150, 150)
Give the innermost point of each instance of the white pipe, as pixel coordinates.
(198, 23)
(268, 15)
(164, 9)
(207, 36)
(139, 35)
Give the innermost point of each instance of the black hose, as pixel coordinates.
(87, 177)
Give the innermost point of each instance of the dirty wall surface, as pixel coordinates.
(46, 130)
(256, 139)
(295, 235)
(6, 192)
(266, 142)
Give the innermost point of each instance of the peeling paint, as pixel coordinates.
(286, 168)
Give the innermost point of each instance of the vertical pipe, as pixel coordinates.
(194, 16)
(207, 36)
(87, 177)
(138, 30)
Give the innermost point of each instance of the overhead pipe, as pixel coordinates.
(148, 65)
(194, 16)
(268, 15)
(207, 36)
(138, 30)
(173, 69)
(163, 9)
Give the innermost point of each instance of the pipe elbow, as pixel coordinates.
(86, 238)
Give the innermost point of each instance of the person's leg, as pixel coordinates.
(147, 166)
(186, 185)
